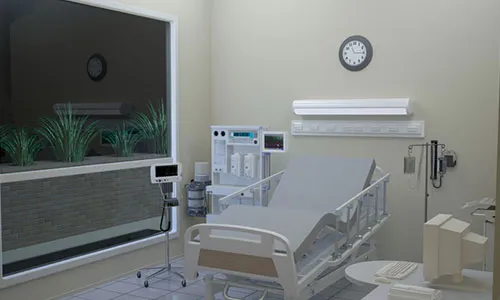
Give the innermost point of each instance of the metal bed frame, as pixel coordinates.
(255, 264)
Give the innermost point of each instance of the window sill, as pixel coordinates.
(82, 260)
(43, 170)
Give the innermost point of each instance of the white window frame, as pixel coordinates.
(32, 274)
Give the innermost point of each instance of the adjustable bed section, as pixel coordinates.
(300, 227)
(322, 214)
(322, 183)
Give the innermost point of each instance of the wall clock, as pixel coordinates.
(355, 53)
(97, 67)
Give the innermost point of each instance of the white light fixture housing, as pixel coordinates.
(96, 109)
(353, 107)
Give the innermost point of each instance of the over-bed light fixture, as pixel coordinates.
(354, 107)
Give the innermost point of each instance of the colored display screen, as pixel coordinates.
(274, 142)
(166, 171)
(243, 134)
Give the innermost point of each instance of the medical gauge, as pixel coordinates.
(274, 142)
(165, 173)
(439, 156)
(165, 176)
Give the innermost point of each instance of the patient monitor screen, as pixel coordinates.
(274, 142)
(166, 171)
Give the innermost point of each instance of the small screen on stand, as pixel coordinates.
(166, 171)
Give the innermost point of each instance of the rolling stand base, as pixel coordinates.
(168, 203)
(161, 270)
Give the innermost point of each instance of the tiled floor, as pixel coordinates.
(131, 288)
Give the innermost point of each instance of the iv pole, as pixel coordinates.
(433, 145)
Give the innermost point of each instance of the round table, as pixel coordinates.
(364, 273)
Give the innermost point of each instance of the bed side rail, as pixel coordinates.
(241, 251)
(367, 208)
(368, 191)
(260, 189)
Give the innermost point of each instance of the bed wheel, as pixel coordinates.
(139, 274)
(183, 283)
(146, 284)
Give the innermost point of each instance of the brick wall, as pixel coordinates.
(44, 210)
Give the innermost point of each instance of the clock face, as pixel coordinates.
(355, 53)
(96, 67)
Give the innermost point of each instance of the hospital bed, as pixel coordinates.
(321, 218)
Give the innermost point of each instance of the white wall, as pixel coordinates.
(51, 46)
(194, 84)
(443, 55)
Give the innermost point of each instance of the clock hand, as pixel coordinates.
(360, 52)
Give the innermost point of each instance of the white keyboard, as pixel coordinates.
(397, 270)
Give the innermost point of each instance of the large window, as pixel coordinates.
(84, 85)
(92, 92)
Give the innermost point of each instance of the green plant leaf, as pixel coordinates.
(154, 126)
(4, 131)
(22, 145)
(68, 135)
(123, 139)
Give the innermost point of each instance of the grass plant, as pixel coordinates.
(154, 126)
(68, 135)
(22, 145)
(123, 139)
